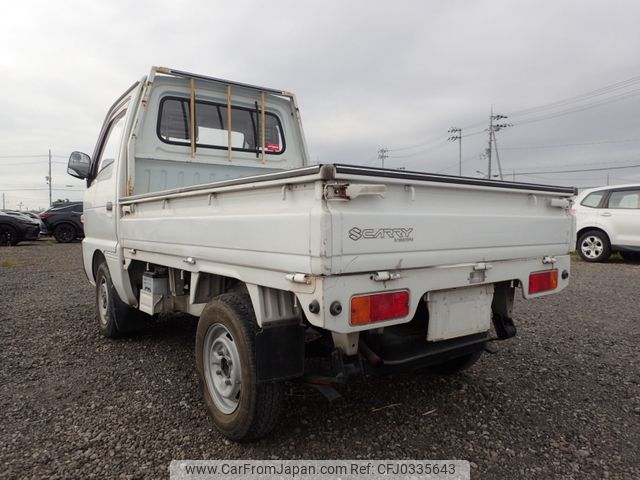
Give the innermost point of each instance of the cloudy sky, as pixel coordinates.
(368, 74)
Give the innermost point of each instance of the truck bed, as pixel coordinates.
(283, 221)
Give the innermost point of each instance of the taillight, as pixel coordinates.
(44, 215)
(378, 307)
(543, 281)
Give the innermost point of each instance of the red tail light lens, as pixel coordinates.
(378, 307)
(543, 281)
(44, 215)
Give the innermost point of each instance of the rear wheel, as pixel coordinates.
(242, 408)
(114, 316)
(8, 236)
(65, 233)
(594, 246)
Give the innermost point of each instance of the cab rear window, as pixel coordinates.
(212, 130)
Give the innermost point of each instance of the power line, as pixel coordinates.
(41, 189)
(432, 146)
(45, 156)
(577, 109)
(600, 169)
(19, 164)
(584, 96)
(527, 147)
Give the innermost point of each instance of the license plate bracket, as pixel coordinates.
(459, 311)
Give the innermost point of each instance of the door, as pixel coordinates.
(621, 217)
(100, 200)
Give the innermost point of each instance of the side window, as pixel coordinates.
(593, 199)
(625, 199)
(111, 145)
(212, 129)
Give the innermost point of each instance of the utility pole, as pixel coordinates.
(382, 155)
(3, 207)
(493, 128)
(456, 134)
(490, 140)
(495, 144)
(49, 178)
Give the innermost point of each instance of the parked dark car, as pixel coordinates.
(30, 215)
(63, 221)
(16, 228)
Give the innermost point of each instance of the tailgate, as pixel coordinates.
(417, 224)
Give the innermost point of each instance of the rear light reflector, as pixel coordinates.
(44, 215)
(378, 307)
(543, 281)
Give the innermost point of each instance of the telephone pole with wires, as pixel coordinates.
(382, 155)
(455, 133)
(493, 128)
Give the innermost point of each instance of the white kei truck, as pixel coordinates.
(201, 199)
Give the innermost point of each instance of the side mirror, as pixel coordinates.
(79, 165)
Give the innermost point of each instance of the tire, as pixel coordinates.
(241, 408)
(65, 233)
(8, 236)
(594, 246)
(115, 317)
(457, 364)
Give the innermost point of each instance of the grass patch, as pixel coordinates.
(9, 262)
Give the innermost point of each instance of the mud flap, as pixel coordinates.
(505, 328)
(280, 351)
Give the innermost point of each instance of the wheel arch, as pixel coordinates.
(583, 230)
(97, 259)
(64, 222)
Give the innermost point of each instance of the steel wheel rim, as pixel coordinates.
(103, 301)
(592, 246)
(222, 369)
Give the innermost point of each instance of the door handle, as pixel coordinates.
(109, 206)
(605, 214)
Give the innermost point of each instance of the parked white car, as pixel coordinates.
(608, 221)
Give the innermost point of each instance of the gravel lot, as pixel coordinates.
(562, 400)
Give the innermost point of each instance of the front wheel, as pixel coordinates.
(114, 316)
(594, 246)
(8, 236)
(242, 408)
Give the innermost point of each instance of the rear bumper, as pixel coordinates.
(419, 281)
(412, 352)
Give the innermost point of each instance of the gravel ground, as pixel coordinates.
(562, 400)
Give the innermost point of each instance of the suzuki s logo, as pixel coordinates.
(395, 234)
